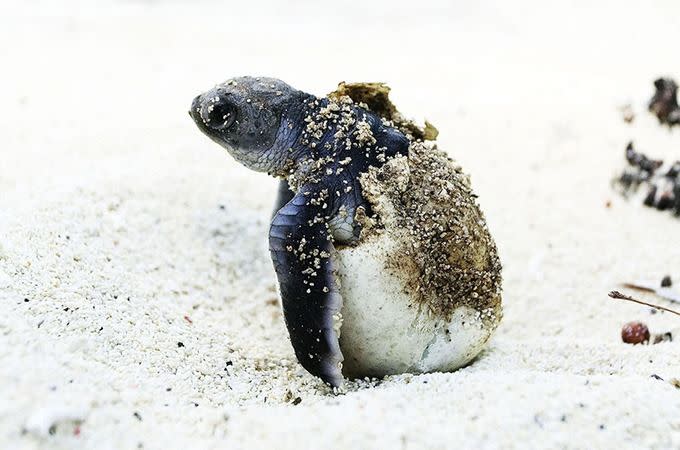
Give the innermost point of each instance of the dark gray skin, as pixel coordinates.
(322, 148)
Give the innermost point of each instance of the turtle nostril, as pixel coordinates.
(218, 114)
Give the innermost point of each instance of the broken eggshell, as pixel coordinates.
(422, 288)
(385, 332)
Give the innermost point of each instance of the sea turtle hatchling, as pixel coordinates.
(383, 258)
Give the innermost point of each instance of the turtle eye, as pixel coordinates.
(220, 115)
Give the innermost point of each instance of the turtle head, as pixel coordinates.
(247, 116)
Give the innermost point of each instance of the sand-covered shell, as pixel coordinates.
(422, 288)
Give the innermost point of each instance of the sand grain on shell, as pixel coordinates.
(445, 250)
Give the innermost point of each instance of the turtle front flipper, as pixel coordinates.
(283, 196)
(301, 248)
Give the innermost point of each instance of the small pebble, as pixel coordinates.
(635, 333)
(666, 281)
(627, 113)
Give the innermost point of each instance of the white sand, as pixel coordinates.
(111, 226)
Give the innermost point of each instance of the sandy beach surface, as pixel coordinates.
(138, 307)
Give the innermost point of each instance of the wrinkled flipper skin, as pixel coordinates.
(300, 248)
(283, 196)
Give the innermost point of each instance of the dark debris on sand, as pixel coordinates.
(664, 103)
(662, 186)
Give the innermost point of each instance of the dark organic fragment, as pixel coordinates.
(650, 197)
(664, 103)
(635, 333)
(641, 161)
(663, 187)
(663, 337)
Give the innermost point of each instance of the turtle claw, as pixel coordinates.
(300, 248)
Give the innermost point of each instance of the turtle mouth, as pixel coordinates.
(195, 113)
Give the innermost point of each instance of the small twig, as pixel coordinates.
(664, 292)
(638, 287)
(620, 296)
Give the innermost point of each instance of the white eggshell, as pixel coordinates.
(385, 332)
